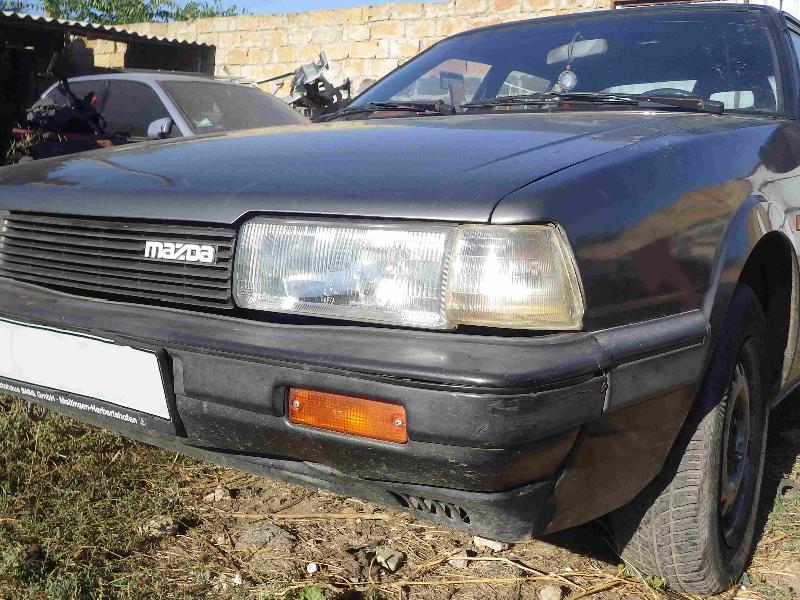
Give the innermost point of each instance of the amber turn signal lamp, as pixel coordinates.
(348, 414)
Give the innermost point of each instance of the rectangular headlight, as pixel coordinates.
(520, 277)
(360, 272)
(434, 277)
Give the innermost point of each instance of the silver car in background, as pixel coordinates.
(137, 103)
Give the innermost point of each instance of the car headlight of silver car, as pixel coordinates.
(428, 276)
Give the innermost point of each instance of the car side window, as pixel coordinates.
(518, 83)
(758, 93)
(735, 99)
(454, 81)
(79, 88)
(796, 43)
(795, 38)
(130, 108)
(687, 85)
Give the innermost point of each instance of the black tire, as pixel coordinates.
(687, 527)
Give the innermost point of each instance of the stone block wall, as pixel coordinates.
(86, 53)
(362, 43)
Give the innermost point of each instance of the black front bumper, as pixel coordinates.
(508, 437)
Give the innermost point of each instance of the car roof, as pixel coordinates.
(151, 76)
(670, 6)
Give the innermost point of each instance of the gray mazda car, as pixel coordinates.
(542, 273)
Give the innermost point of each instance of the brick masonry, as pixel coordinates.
(361, 43)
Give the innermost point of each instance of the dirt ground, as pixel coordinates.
(86, 514)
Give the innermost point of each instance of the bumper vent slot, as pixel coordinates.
(106, 259)
(438, 508)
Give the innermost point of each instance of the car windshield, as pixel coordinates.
(212, 107)
(724, 56)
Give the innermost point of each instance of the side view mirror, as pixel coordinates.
(160, 128)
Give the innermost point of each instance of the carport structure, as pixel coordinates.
(89, 48)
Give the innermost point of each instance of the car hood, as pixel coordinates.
(450, 168)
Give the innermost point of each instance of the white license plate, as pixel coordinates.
(83, 365)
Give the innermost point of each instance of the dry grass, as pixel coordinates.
(75, 502)
(21, 147)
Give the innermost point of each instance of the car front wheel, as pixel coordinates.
(693, 527)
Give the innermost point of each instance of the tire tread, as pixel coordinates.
(664, 532)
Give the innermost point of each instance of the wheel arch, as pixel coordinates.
(758, 249)
(771, 272)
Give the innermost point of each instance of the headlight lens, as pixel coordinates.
(381, 273)
(434, 277)
(521, 277)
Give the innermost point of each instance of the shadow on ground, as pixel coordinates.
(593, 540)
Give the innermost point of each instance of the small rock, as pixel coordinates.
(362, 555)
(459, 559)
(159, 527)
(237, 579)
(389, 559)
(491, 545)
(312, 568)
(261, 534)
(220, 493)
(551, 592)
(788, 488)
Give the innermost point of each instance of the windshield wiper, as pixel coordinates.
(687, 103)
(543, 98)
(538, 99)
(550, 98)
(430, 108)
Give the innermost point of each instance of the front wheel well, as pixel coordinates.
(771, 273)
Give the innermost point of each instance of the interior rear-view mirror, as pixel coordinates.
(580, 49)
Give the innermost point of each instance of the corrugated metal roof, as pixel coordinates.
(108, 32)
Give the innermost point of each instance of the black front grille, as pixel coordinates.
(106, 258)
